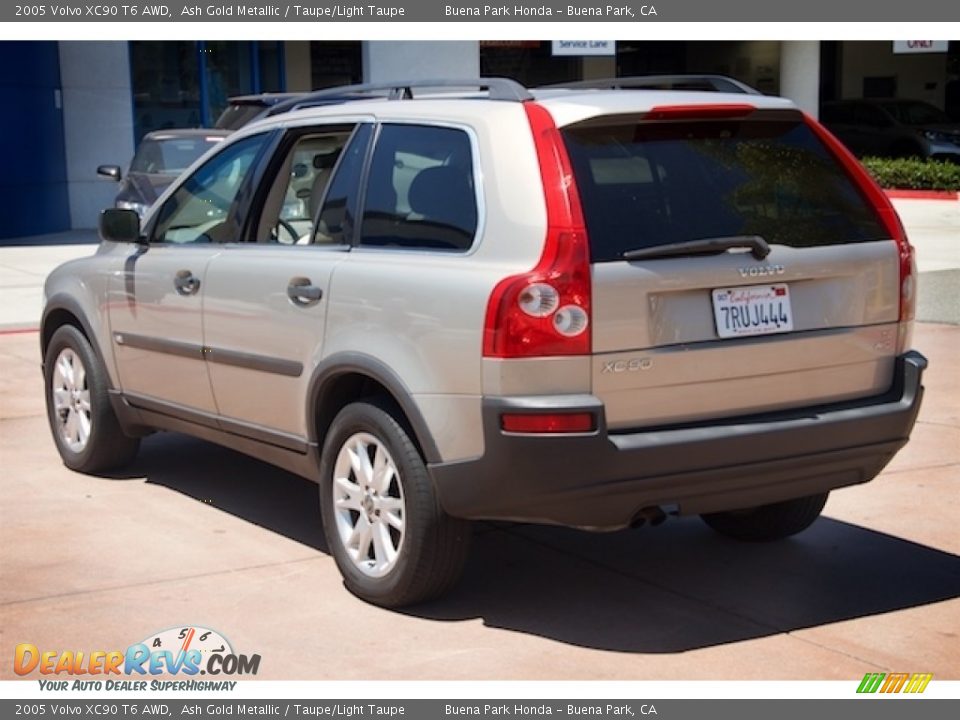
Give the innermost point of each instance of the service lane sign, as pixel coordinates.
(584, 47)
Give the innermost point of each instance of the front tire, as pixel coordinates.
(392, 542)
(768, 522)
(85, 429)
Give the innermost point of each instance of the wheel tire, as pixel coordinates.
(75, 384)
(768, 522)
(418, 561)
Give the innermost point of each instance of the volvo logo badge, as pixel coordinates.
(761, 271)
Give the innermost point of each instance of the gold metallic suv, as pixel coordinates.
(577, 306)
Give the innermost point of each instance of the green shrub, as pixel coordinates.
(913, 173)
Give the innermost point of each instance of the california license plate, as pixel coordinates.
(752, 310)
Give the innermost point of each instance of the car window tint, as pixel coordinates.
(916, 113)
(170, 155)
(294, 194)
(335, 224)
(870, 115)
(235, 117)
(420, 193)
(198, 210)
(649, 184)
(836, 114)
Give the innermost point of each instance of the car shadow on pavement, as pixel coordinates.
(681, 586)
(668, 589)
(234, 483)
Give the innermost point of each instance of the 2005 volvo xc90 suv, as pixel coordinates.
(572, 306)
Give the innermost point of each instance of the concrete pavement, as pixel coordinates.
(23, 268)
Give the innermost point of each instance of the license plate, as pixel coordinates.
(752, 310)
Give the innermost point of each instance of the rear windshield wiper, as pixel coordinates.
(705, 246)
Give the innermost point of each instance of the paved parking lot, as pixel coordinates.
(197, 534)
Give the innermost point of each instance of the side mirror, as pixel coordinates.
(111, 171)
(120, 225)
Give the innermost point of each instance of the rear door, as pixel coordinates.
(266, 300)
(714, 334)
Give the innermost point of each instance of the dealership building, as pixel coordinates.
(75, 105)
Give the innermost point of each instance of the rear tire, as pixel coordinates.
(392, 542)
(768, 522)
(84, 427)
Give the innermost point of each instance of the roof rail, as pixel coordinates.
(712, 83)
(498, 89)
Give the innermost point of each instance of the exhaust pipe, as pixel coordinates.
(652, 514)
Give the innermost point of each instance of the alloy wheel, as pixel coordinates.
(368, 504)
(71, 400)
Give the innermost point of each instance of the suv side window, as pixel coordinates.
(199, 209)
(336, 221)
(420, 193)
(293, 202)
(871, 115)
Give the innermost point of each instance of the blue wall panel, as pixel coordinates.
(33, 181)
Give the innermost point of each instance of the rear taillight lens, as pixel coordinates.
(888, 215)
(908, 282)
(908, 297)
(546, 311)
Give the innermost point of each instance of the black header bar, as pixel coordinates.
(574, 11)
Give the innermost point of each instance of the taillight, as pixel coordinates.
(885, 210)
(908, 282)
(546, 311)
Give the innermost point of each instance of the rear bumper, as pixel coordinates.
(602, 480)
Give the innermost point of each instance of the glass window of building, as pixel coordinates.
(187, 84)
(165, 85)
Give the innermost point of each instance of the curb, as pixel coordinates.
(922, 194)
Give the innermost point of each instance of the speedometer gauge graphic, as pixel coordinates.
(184, 639)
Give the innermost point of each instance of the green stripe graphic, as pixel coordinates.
(871, 682)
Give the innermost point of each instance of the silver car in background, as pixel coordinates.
(160, 157)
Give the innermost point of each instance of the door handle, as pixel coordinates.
(186, 282)
(303, 293)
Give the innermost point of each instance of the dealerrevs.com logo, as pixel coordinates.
(185, 651)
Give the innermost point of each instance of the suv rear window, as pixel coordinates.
(649, 184)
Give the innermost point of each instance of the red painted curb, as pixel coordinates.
(922, 194)
(18, 331)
